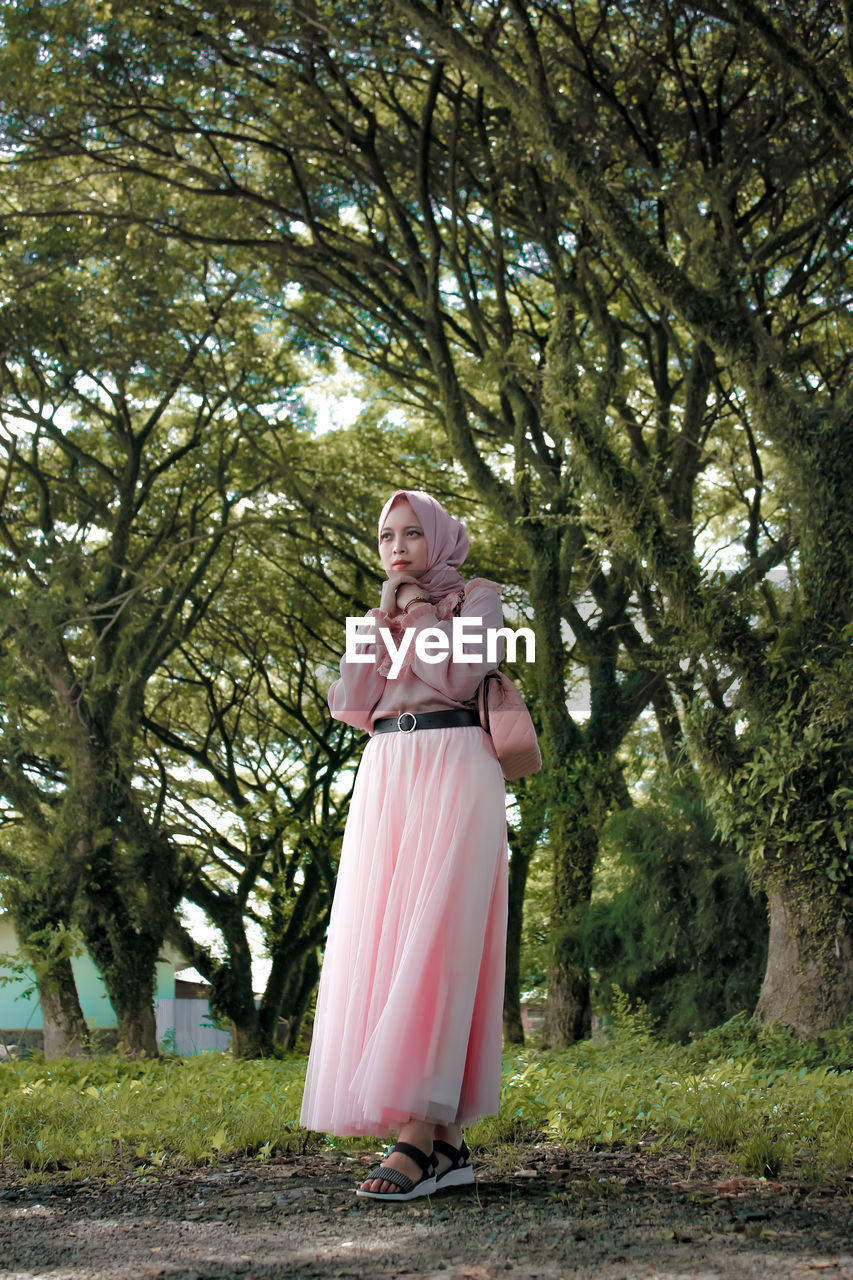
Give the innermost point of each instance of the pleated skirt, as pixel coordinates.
(408, 1022)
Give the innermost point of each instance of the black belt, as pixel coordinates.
(408, 721)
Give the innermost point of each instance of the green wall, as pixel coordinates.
(18, 1011)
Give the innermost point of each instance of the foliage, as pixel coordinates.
(93, 1117)
(36, 958)
(781, 788)
(634, 1089)
(723, 1091)
(774, 1047)
(672, 921)
(617, 272)
(680, 930)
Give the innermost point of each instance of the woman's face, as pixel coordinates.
(402, 544)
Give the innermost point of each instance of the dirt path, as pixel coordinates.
(568, 1214)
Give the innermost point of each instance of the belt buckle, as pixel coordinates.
(413, 725)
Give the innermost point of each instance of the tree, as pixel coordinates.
(749, 257)
(618, 258)
(242, 702)
(127, 381)
(431, 290)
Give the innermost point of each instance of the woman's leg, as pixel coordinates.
(420, 1134)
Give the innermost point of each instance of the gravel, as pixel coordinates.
(614, 1215)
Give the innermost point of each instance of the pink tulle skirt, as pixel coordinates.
(409, 1010)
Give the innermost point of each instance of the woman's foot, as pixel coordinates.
(419, 1135)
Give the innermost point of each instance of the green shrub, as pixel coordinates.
(776, 1047)
(672, 922)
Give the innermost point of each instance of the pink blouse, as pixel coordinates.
(365, 691)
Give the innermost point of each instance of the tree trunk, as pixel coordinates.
(40, 904)
(808, 984)
(568, 1013)
(575, 829)
(518, 866)
(574, 835)
(530, 799)
(246, 1038)
(567, 1009)
(65, 1032)
(127, 963)
(310, 977)
(288, 1024)
(137, 1025)
(295, 968)
(292, 979)
(232, 996)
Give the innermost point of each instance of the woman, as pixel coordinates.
(407, 1033)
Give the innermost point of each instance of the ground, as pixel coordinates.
(563, 1213)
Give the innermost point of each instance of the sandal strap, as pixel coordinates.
(425, 1162)
(458, 1156)
(388, 1174)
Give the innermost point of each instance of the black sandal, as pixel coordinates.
(409, 1189)
(461, 1171)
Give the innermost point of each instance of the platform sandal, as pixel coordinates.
(461, 1171)
(409, 1189)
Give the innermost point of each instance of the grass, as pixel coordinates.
(92, 1116)
(769, 1111)
(772, 1114)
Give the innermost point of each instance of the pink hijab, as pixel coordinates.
(446, 539)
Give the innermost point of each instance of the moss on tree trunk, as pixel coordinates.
(808, 983)
(65, 1032)
(137, 1024)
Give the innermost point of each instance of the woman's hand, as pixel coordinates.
(408, 587)
(406, 594)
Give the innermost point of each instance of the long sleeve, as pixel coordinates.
(353, 697)
(459, 680)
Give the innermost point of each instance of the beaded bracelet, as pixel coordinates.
(417, 600)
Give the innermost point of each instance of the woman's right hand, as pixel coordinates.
(388, 602)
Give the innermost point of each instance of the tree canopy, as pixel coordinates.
(605, 248)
